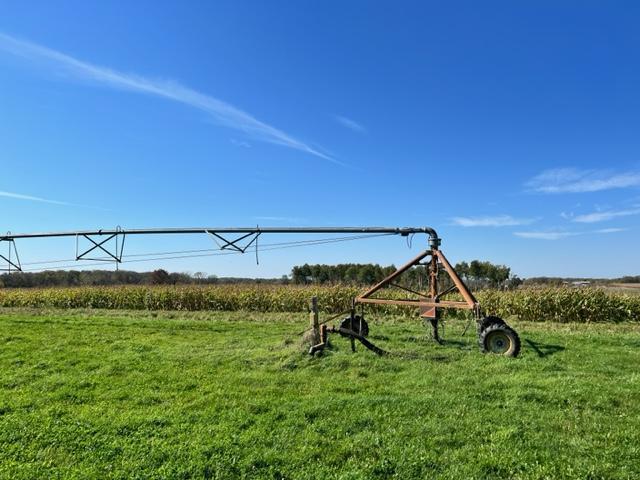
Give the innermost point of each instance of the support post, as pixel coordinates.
(318, 333)
(313, 321)
(433, 314)
(435, 335)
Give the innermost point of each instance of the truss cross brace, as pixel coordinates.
(11, 263)
(234, 244)
(101, 245)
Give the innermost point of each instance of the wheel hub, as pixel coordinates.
(498, 342)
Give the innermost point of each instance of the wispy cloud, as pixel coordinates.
(224, 113)
(20, 196)
(491, 221)
(350, 124)
(31, 198)
(572, 180)
(545, 235)
(610, 230)
(559, 235)
(603, 216)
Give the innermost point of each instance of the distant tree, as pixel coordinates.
(497, 274)
(301, 275)
(630, 279)
(159, 277)
(553, 281)
(199, 277)
(359, 274)
(513, 282)
(476, 271)
(483, 274)
(463, 269)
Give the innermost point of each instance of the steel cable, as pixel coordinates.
(200, 252)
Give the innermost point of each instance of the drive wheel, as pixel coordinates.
(501, 340)
(485, 323)
(491, 320)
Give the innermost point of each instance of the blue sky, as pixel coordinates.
(510, 127)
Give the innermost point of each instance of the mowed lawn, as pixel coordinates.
(231, 395)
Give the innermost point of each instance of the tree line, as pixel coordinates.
(487, 275)
(78, 278)
(478, 274)
(351, 273)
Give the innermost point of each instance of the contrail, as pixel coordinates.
(224, 113)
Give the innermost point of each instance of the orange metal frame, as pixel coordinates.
(431, 303)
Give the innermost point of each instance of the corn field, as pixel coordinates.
(549, 304)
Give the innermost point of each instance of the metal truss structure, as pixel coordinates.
(110, 244)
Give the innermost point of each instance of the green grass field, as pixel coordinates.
(231, 395)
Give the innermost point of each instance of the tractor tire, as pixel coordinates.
(360, 325)
(501, 340)
(485, 323)
(490, 320)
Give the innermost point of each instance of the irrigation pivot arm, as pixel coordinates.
(226, 230)
(101, 241)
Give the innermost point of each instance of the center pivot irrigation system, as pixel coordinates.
(494, 335)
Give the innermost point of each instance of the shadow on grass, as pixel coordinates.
(455, 343)
(544, 350)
